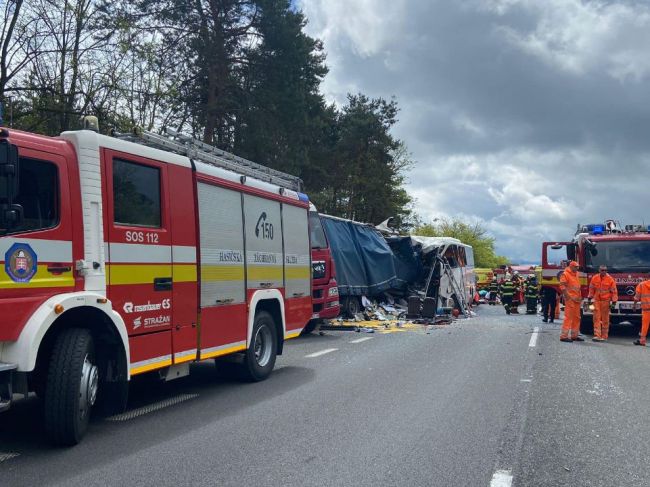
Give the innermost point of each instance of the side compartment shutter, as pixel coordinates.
(263, 243)
(222, 246)
(297, 251)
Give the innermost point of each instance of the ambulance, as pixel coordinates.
(140, 254)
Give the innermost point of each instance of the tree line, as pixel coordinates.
(239, 74)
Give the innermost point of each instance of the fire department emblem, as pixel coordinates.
(20, 262)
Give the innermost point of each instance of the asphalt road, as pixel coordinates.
(485, 401)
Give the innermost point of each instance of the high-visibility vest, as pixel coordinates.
(603, 289)
(570, 284)
(643, 294)
(494, 287)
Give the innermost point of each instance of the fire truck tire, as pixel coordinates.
(259, 358)
(71, 387)
(586, 325)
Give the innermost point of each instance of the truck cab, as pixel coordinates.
(325, 291)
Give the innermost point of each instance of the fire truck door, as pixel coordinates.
(555, 257)
(139, 255)
(184, 257)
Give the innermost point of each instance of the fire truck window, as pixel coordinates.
(136, 194)
(318, 239)
(38, 194)
(555, 257)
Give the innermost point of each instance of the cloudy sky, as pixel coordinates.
(526, 115)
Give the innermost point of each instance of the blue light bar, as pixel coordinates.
(303, 197)
(598, 229)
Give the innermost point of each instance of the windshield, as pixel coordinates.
(38, 195)
(629, 256)
(317, 234)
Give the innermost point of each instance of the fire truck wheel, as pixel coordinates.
(71, 387)
(259, 358)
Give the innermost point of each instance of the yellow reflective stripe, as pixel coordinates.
(264, 273)
(137, 274)
(184, 273)
(297, 272)
(215, 273)
(292, 335)
(186, 358)
(146, 368)
(120, 274)
(223, 351)
(43, 278)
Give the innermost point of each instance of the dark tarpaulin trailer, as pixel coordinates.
(364, 261)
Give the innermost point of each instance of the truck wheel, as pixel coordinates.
(351, 306)
(259, 358)
(71, 387)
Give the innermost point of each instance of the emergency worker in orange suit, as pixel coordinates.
(643, 295)
(602, 289)
(570, 287)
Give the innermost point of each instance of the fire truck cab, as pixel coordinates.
(138, 254)
(624, 250)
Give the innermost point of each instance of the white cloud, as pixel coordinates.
(579, 37)
(528, 116)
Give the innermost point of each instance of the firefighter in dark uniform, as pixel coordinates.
(507, 291)
(531, 295)
(494, 290)
(517, 297)
(549, 301)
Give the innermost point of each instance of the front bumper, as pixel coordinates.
(622, 308)
(6, 380)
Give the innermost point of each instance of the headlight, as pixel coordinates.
(333, 291)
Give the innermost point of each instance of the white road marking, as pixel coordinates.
(359, 340)
(501, 478)
(533, 337)
(4, 456)
(150, 408)
(322, 352)
(526, 380)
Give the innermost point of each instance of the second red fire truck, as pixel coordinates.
(625, 250)
(128, 256)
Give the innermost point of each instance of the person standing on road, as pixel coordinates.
(642, 295)
(570, 287)
(507, 291)
(531, 295)
(549, 302)
(602, 289)
(494, 289)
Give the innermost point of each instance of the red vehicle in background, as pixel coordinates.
(624, 250)
(325, 291)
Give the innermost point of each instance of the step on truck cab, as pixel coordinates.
(140, 254)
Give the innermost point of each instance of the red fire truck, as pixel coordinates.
(624, 250)
(127, 255)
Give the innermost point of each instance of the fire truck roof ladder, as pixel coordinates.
(198, 150)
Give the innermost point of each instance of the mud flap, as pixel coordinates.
(6, 392)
